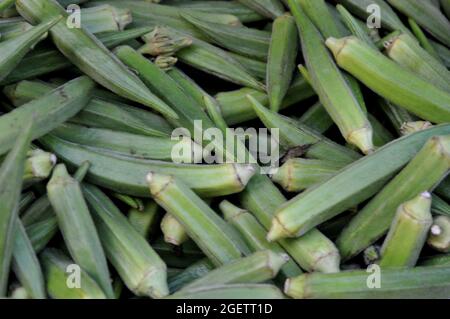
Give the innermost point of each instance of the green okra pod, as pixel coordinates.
(48, 111)
(174, 233)
(343, 191)
(144, 221)
(427, 15)
(297, 174)
(13, 50)
(38, 166)
(82, 240)
(132, 202)
(256, 67)
(201, 223)
(254, 235)
(82, 49)
(440, 206)
(41, 232)
(412, 127)
(231, 291)
(267, 8)
(354, 27)
(58, 268)
(439, 238)
(437, 260)
(317, 118)
(333, 89)
(191, 273)
(11, 173)
(398, 85)
(422, 38)
(139, 266)
(281, 59)
(105, 18)
(408, 233)
(256, 268)
(428, 167)
(395, 284)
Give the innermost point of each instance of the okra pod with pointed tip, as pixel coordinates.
(174, 233)
(201, 223)
(408, 233)
(428, 167)
(398, 85)
(439, 238)
(83, 241)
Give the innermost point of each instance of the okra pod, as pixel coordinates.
(422, 38)
(174, 233)
(13, 50)
(255, 67)
(256, 268)
(354, 27)
(412, 127)
(138, 265)
(130, 145)
(439, 238)
(82, 49)
(317, 118)
(395, 284)
(267, 8)
(144, 221)
(297, 174)
(437, 260)
(127, 175)
(428, 167)
(293, 134)
(254, 235)
(41, 232)
(83, 241)
(105, 18)
(404, 87)
(57, 268)
(132, 202)
(11, 172)
(191, 273)
(343, 191)
(239, 39)
(281, 59)
(232, 291)
(333, 89)
(440, 206)
(48, 112)
(38, 166)
(179, 257)
(201, 223)
(427, 15)
(408, 233)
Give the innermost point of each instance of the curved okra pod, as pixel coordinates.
(439, 238)
(343, 191)
(267, 8)
(390, 80)
(333, 89)
(83, 50)
(127, 175)
(428, 167)
(427, 15)
(83, 241)
(408, 233)
(281, 59)
(254, 235)
(13, 50)
(55, 265)
(174, 233)
(297, 174)
(11, 174)
(395, 284)
(48, 112)
(201, 223)
(293, 134)
(139, 266)
(256, 268)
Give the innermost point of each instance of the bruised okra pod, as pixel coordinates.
(144, 221)
(391, 80)
(174, 233)
(395, 284)
(59, 286)
(83, 241)
(332, 87)
(408, 233)
(83, 50)
(254, 235)
(439, 238)
(139, 266)
(13, 50)
(11, 173)
(343, 191)
(423, 172)
(281, 60)
(298, 174)
(256, 268)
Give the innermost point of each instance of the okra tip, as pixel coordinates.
(158, 182)
(244, 172)
(229, 210)
(296, 287)
(336, 45)
(363, 139)
(276, 260)
(328, 263)
(277, 231)
(154, 284)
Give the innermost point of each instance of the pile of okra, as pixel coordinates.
(99, 200)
